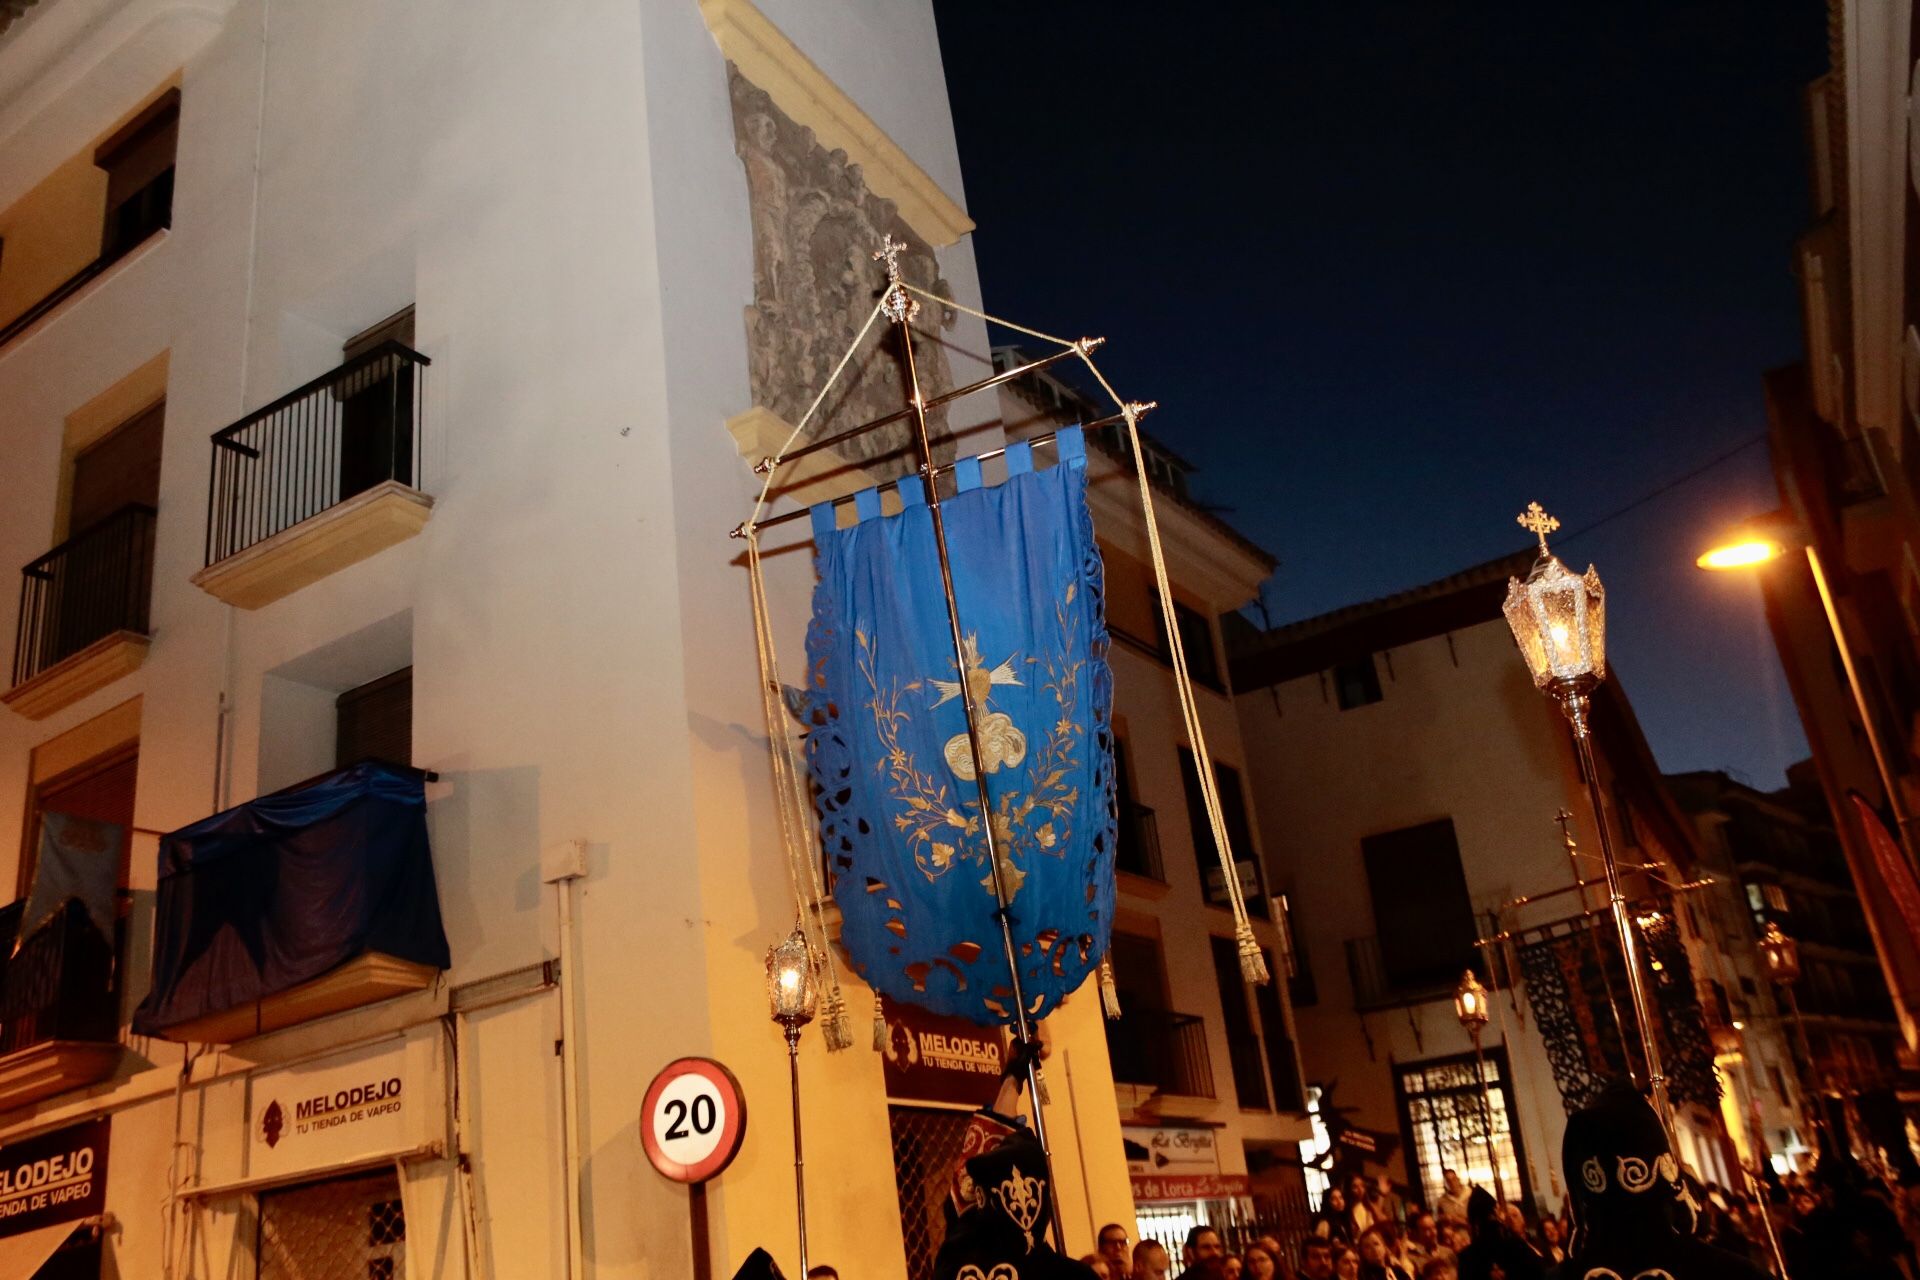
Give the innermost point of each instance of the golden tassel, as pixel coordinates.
(835, 1026)
(1109, 993)
(1253, 965)
(879, 1024)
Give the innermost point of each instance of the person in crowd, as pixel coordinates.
(1423, 1239)
(1202, 1246)
(1360, 1213)
(1231, 1267)
(1376, 1257)
(1625, 1193)
(1332, 1223)
(1098, 1265)
(1150, 1261)
(1388, 1206)
(822, 1272)
(1439, 1269)
(1455, 1234)
(1553, 1241)
(1316, 1259)
(1346, 1263)
(1495, 1248)
(1453, 1201)
(1262, 1263)
(1114, 1246)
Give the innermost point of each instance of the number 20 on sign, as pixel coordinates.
(693, 1120)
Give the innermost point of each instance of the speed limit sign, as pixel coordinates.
(693, 1120)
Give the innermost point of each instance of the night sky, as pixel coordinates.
(1395, 270)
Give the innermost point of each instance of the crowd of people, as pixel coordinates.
(1837, 1223)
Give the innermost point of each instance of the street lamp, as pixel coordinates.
(1559, 620)
(1470, 1006)
(793, 995)
(1769, 540)
(1780, 956)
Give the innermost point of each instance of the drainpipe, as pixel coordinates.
(560, 865)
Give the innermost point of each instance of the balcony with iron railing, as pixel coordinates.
(1389, 981)
(322, 478)
(83, 613)
(1162, 1051)
(59, 1005)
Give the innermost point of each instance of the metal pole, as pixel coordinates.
(1895, 801)
(799, 1162)
(1486, 1115)
(1809, 1083)
(1576, 705)
(923, 448)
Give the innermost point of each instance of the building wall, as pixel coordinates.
(1460, 733)
(561, 202)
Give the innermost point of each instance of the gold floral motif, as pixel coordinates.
(942, 827)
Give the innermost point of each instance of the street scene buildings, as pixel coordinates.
(385, 756)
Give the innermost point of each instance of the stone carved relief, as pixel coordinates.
(815, 229)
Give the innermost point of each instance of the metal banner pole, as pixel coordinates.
(900, 309)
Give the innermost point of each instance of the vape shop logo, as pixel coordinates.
(272, 1121)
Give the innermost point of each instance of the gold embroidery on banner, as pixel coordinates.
(940, 823)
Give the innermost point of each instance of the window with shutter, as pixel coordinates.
(139, 164)
(375, 721)
(1422, 911)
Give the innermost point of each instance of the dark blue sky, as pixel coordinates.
(1395, 270)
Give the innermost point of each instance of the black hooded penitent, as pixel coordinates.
(1624, 1185)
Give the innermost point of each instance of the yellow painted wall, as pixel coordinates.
(50, 233)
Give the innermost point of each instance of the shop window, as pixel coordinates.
(375, 721)
(1357, 683)
(1445, 1106)
(342, 1229)
(139, 164)
(926, 1147)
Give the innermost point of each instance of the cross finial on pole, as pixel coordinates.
(1563, 818)
(899, 306)
(1537, 522)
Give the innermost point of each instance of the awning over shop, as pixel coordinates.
(275, 893)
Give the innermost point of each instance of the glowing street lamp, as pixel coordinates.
(793, 996)
(1559, 620)
(1767, 540)
(1470, 1006)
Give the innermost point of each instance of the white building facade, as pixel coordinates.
(1409, 777)
(491, 311)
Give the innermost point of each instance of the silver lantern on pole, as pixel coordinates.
(793, 996)
(1559, 620)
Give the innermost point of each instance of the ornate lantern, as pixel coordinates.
(1781, 955)
(793, 994)
(1559, 619)
(1470, 1003)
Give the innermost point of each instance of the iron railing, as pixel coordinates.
(315, 447)
(95, 583)
(1167, 1051)
(60, 984)
(1137, 849)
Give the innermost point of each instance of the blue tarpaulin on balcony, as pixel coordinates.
(277, 892)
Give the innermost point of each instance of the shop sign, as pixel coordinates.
(931, 1058)
(1195, 1186)
(54, 1178)
(361, 1104)
(1158, 1150)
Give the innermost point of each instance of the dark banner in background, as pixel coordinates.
(1577, 988)
(53, 1178)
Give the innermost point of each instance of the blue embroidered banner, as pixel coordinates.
(887, 742)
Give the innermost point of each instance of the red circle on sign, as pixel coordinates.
(672, 1108)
